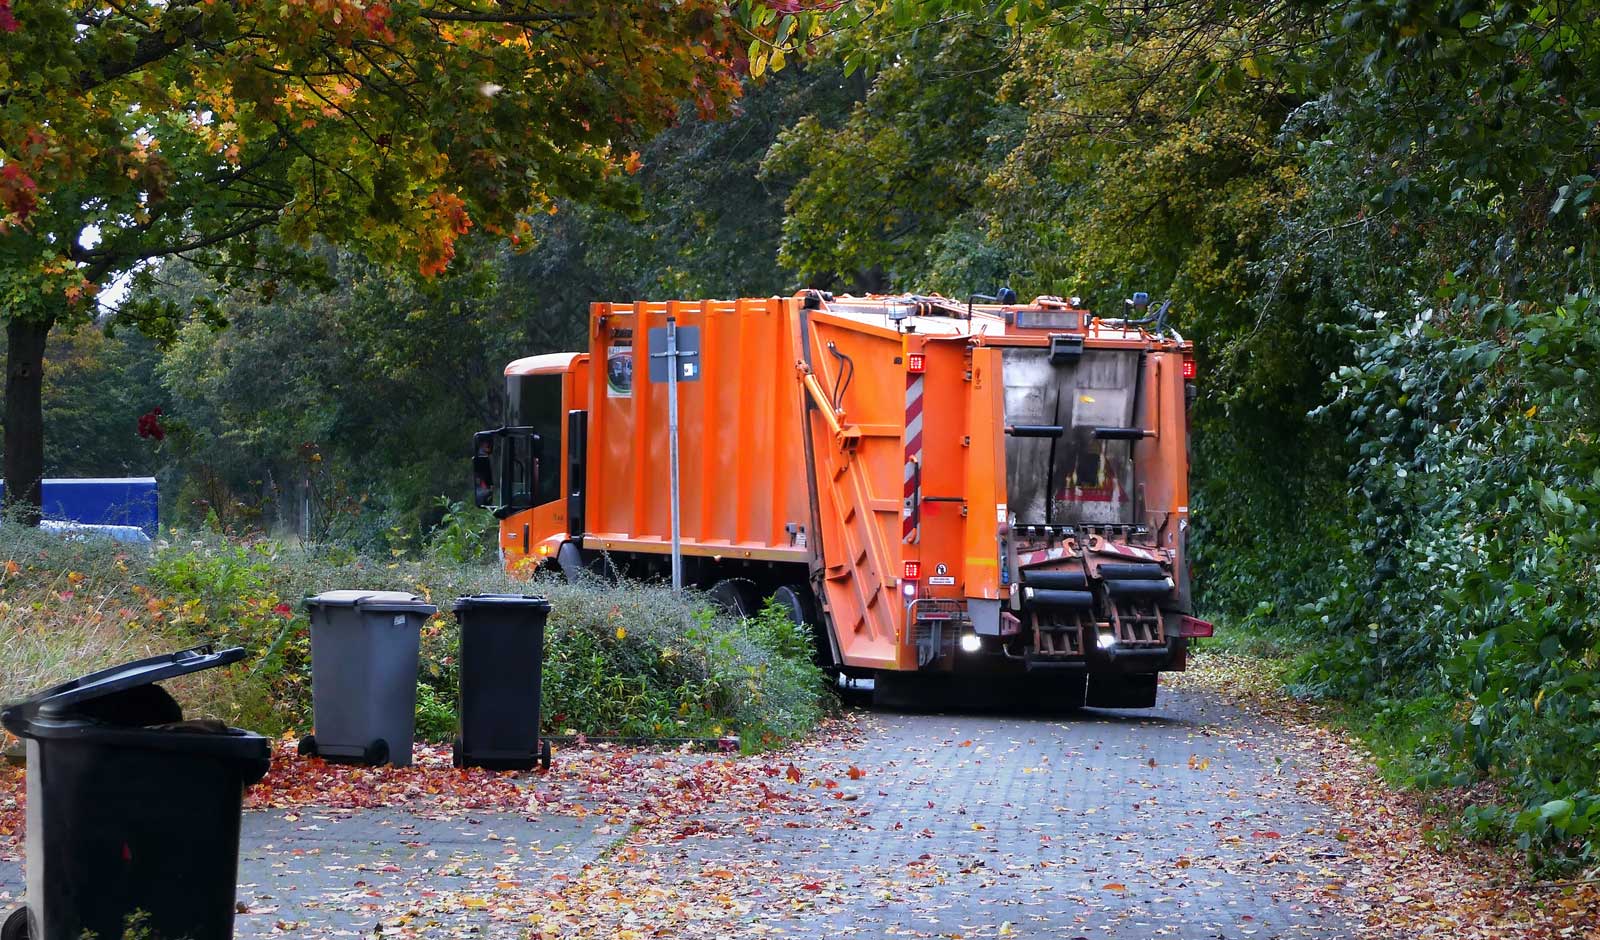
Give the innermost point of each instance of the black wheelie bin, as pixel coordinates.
(133, 813)
(502, 654)
(364, 649)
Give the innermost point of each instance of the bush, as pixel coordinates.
(633, 659)
(1470, 581)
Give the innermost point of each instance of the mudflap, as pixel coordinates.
(1050, 693)
(1121, 690)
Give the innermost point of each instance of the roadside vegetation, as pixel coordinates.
(629, 660)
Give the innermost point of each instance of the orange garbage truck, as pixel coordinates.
(985, 495)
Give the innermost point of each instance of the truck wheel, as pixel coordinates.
(16, 926)
(801, 605)
(736, 596)
(570, 560)
(797, 602)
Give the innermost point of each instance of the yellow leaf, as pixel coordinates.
(1532, 410)
(622, 633)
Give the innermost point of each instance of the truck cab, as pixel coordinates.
(527, 469)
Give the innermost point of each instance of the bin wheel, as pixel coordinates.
(457, 758)
(308, 746)
(544, 755)
(16, 926)
(377, 752)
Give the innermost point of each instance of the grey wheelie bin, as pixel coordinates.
(502, 653)
(364, 647)
(132, 811)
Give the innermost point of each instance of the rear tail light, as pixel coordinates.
(1188, 368)
(916, 362)
(913, 570)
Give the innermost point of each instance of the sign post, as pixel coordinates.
(678, 362)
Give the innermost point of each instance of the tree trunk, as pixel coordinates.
(24, 414)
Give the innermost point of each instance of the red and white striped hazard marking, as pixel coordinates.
(911, 514)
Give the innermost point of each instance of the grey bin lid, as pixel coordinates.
(384, 602)
(524, 601)
(60, 700)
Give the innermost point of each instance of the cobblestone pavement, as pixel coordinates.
(1178, 822)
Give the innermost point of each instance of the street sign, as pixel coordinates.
(680, 346)
(688, 357)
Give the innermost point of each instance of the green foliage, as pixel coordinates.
(465, 534)
(436, 715)
(630, 660)
(640, 662)
(1480, 481)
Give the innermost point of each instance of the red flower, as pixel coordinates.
(283, 610)
(150, 425)
(8, 23)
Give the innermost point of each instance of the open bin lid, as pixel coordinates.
(521, 601)
(61, 700)
(389, 602)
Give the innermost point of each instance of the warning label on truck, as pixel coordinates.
(619, 371)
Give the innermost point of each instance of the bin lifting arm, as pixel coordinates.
(847, 437)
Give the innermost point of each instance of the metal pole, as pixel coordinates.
(672, 437)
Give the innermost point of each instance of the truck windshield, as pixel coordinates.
(1074, 479)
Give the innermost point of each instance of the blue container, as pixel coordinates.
(124, 501)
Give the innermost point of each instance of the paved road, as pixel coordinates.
(1181, 822)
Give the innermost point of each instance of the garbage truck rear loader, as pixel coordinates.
(944, 491)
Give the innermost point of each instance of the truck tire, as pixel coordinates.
(570, 560)
(16, 927)
(737, 597)
(800, 604)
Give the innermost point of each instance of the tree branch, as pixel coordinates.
(448, 16)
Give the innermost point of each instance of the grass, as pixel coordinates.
(629, 659)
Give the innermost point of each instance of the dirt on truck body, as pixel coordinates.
(944, 491)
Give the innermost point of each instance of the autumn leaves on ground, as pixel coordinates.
(1228, 808)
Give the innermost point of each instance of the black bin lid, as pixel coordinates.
(61, 700)
(503, 601)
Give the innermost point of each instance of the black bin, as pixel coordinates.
(502, 652)
(131, 809)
